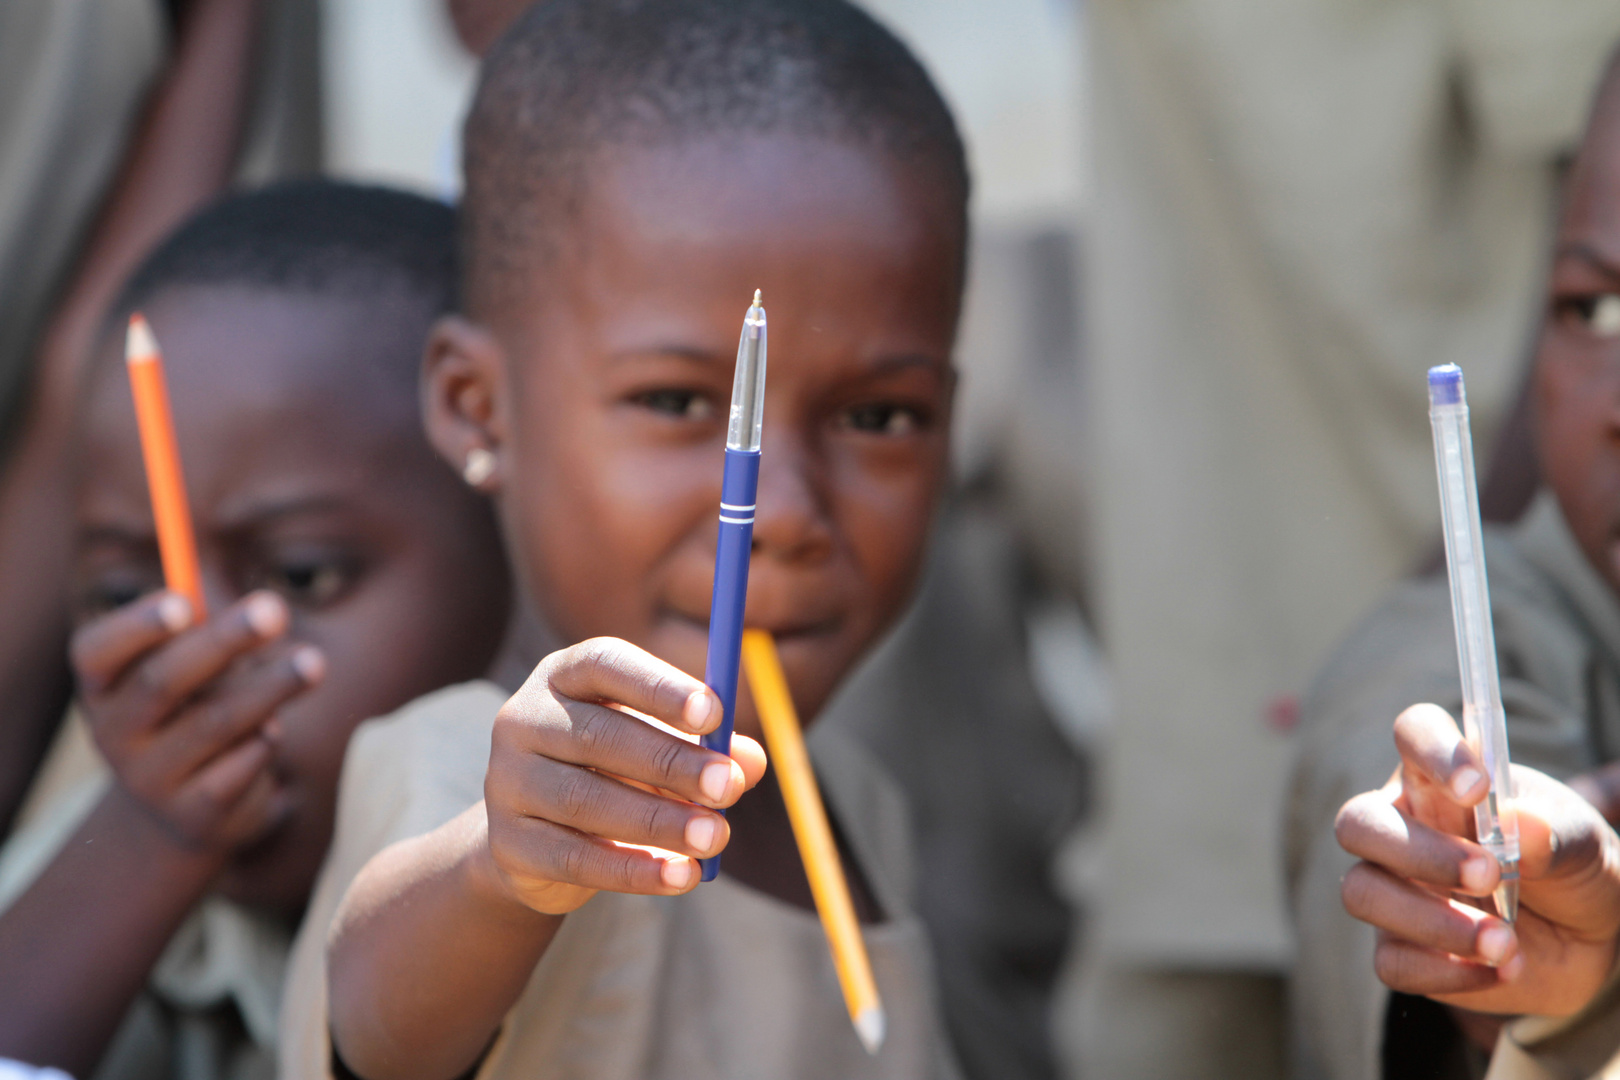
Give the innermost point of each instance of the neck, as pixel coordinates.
(526, 643)
(762, 854)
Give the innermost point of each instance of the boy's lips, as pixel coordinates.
(780, 629)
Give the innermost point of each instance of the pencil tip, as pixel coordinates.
(139, 344)
(756, 298)
(869, 1026)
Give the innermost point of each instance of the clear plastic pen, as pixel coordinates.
(1484, 720)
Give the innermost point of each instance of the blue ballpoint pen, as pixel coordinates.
(738, 489)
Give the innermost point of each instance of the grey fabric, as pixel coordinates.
(721, 983)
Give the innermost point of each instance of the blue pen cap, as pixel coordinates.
(1446, 385)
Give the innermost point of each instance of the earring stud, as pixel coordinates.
(479, 468)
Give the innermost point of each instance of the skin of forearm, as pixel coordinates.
(80, 943)
(181, 156)
(429, 951)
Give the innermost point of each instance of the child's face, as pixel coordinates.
(1578, 359)
(313, 480)
(609, 411)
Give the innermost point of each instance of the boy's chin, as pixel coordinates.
(270, 876)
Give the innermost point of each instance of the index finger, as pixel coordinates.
(1370, 827)
(605, 671)
(1431, 745)
(104, 647)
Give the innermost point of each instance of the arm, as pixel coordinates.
(438, 935)
(181, 156)
(184, 727)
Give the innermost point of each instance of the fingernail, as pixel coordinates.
(1475, 875)
(174, 612)
(1512, 969)
(310, 664)
(1494, 944)
(715, 780)
(677, 872)
(700, 833)
(698, 708)
(1464, 779)
(266, 614)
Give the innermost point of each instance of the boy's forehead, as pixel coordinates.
(733, 211)
(256, 380)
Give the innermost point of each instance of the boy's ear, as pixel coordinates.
(464, 399)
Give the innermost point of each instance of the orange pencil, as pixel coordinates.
(784, 741)
(177, 545)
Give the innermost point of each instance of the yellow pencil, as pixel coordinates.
(785, 743)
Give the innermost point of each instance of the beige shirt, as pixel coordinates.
(209, 1009)
(1299, 206)
(1558, 643)
(722, 983)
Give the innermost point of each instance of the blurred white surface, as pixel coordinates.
(397, 81)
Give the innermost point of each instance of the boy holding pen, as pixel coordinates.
(514, 879)
(1390, 856)
(149, 905)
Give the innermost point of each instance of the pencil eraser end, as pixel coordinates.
(1446, 385)
(869, 1027)
(139, 344)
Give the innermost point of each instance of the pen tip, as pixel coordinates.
(869, 1026)
(756, 298)
(139, 344)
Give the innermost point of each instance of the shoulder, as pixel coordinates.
(434, 749)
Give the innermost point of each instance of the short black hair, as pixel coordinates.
(310, 236)
(571, 76)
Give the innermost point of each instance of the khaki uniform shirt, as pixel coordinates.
(722, 983)
(1558, 645)
(209, 1009)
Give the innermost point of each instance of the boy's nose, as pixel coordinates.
(791, 519)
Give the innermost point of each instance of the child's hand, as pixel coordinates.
(185, 717)
(581, 796)
(1413, 835)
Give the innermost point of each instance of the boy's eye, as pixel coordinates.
(309, 583)
(1597, 313)
(883, 419)
(689, 405)
(113, 592)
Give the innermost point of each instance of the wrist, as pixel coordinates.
(134, 824)
(492, 887)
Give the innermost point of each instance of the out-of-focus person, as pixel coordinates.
(117, 119)
(1297, 208)
(1555, 607)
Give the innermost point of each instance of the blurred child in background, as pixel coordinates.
(1555, 596)
(347, 570)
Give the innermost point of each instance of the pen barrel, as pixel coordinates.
(1484, 719)
(739, 490)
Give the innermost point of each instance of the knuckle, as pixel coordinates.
(1355, 889)
(667, 759)
(625, 875)
(1389, 964)
(574, 861)
(572, 795)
